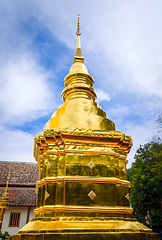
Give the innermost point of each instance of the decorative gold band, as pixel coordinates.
(83, 179)
(66, 208)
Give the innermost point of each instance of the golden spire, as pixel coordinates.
(78, 91)
(78, 54)
(8, 178)
(78, 32)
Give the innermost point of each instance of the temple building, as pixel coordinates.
(82, 191)
(21, 194)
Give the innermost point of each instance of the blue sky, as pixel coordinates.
(122, 45)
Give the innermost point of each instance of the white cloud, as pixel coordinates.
(102, 95)
(125, 36)
(25, 92)
(132, 41)
(140, 135)
(119, 111)
(16, 145)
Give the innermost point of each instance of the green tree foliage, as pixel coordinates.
(146, 182)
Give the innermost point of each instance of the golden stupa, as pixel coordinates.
(83, 192)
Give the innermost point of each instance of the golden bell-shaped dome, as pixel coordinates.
(78, 67)
(79, 109)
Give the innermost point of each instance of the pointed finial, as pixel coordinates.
(78, 32)
(78, 54)
(8, 178)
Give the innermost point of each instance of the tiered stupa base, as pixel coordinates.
(83, 192)
(85, 229)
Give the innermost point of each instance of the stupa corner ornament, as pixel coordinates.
(82, 191)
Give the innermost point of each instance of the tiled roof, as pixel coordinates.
(22, 182)
(21, 173)
(21, 197)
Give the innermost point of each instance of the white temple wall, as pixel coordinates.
(23, 219)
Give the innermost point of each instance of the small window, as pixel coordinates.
(14, 219)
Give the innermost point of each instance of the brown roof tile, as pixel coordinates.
(21, 173)
(21, 197)
(22, 182)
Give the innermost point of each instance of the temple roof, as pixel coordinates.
(22, 183)
(21, 197)
(21, 173)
